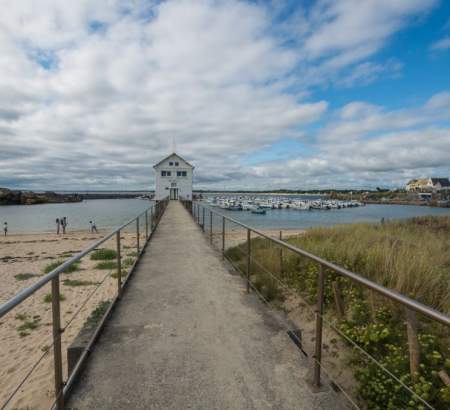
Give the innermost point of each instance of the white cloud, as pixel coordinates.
(442, 44)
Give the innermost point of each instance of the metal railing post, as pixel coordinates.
(223, 237)
(137, 235)
(151, 219)
(210, 227)
(248, 260)
(319, 327)
(57, 355)
(198, 214)
(281, 254)
(203, 218)
(146, 225)
(119, 265)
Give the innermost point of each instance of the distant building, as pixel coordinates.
(428, 185)
(173, 178)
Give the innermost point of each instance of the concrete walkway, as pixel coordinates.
(187, 336)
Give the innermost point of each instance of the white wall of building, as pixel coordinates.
(175, 180)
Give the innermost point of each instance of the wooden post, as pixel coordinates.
(413, 343)
(319, 327)
(57, 354)
(338, 299)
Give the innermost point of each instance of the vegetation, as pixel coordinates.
(51, 266)
(103, 254)
(48, 297)
(106, 265)
(28, 323)
(77, 282)
(127, 262)
(409, 256)
(25, 276)
(98, 313)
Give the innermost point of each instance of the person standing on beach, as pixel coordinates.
(5, 228)
(64, 224)
(93, 227)
(57, 226)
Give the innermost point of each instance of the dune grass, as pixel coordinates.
(51, 266)
(25, 276)
(410, 256)
(106, 265)
(103, 254)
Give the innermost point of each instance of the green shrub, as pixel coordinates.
(103, 254)
(52, 266)
(127, 262)
(28, 324)
(106, 265)
(25, 276)
(48, 297)
(97, 313)
(76, 282)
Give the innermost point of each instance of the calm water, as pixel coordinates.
(113, 212)
(41, 218)
(295, 219)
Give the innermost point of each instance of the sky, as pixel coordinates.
(255, 94)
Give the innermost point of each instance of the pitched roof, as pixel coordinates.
(442, 181)
(168, 156)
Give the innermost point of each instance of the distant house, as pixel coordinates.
(428, 185)
(173, 178)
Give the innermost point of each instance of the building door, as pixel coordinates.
(174, 193)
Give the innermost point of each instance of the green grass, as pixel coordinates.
(51, 266)
(77, 282)
(133, 254)
(106, 265)
(103, 254)
(127, 262)
(96, 315)
(25, 276)
(29, 323)
(48, 297)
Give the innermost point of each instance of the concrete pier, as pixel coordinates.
(186, 335)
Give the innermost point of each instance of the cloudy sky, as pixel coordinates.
(256, 94)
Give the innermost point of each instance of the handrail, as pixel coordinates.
(389, 293)
(27, 292)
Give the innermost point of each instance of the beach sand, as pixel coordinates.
(21, 254)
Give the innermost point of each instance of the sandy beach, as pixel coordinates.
(26, 331)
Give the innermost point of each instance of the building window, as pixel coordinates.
(181, 173)
(171, 164)
(176, 164)
(165, 173)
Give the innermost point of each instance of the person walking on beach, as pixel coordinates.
(58, 225)
(5, 228)
(93, 227)
(64, 224)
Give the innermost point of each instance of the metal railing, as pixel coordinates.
(200, 212)
(151, 218)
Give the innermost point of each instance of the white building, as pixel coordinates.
(173, 178)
